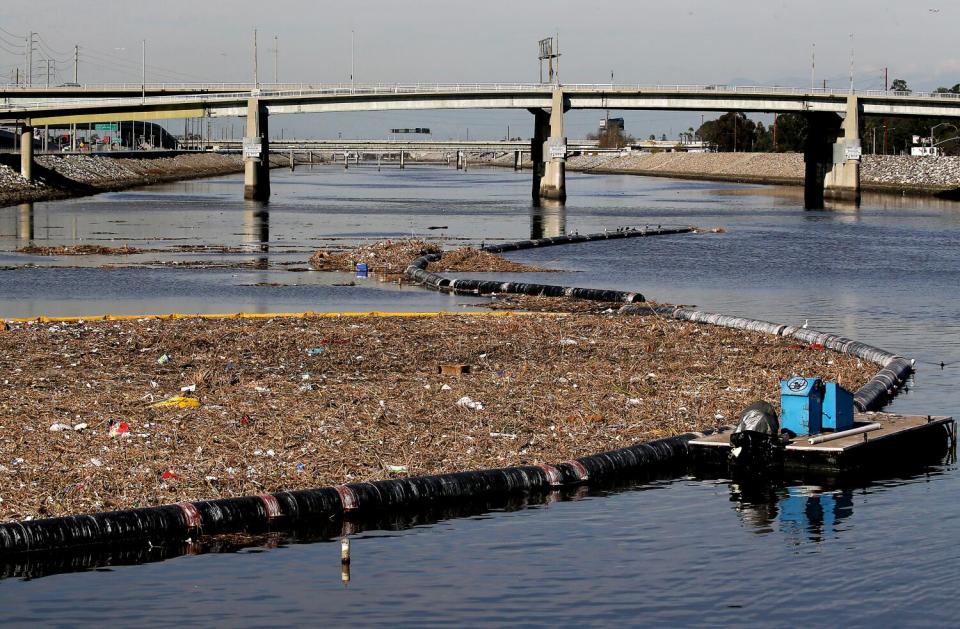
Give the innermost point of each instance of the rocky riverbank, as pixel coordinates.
(881, 173)
(64, 176)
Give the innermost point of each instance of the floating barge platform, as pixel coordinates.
(875, 439)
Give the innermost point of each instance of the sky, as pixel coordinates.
(733, 42)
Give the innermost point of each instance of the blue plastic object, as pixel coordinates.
(362, 269)
(837, 408)
(801, 405)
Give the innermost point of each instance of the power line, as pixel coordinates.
(44, 43)
(116, 59)
(14, 35)
(16, 43)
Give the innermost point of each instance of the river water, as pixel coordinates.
(687, 551)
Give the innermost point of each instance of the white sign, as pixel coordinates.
(852, 152)
(558, 151)
(252, 147)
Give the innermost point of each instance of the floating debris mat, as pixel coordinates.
(873, 395)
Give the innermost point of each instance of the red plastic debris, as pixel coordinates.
(271, 506)
(191, 515)
(348, 498)
(579, 470)
(119, 428)
(553, 475)
(169, 475)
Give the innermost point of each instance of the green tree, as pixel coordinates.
(732, 131)
(899, 85)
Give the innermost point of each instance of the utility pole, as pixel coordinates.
(352, 38)
(276, 59)
(29, 54)
(885, 79)
(256, 71)
(813, 67)
(143, 70)
(606, 124)
(76, 64)
(774, 132)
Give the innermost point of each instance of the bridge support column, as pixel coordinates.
(832, 163)
(517, 159)
(548, 150)
(843, 180)
(822, 129)
(379, 155)
(293, 164)
(460, 160)
(401, 160)
(26, 152)
(256, 162)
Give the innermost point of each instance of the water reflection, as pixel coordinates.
(801, 513)
(24, 224)
(548, 219)
(256, 230)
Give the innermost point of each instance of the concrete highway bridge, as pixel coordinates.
(832, 155)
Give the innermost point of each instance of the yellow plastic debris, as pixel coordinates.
(177, 401)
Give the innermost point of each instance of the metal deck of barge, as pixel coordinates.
(904, 437)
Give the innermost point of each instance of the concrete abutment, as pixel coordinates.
(832, 157)
(256, 153)
(548, 150)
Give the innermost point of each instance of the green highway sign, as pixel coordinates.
(105, 126)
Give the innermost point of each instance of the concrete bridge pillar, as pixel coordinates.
(832, 157)
(256, 153)
(26, 152)
(401, 161)
(517, 159)
(460, 160)
(548, 150)
(843, 180)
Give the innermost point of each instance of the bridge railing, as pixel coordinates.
(347, 89)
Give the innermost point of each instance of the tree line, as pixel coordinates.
(734, 131)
